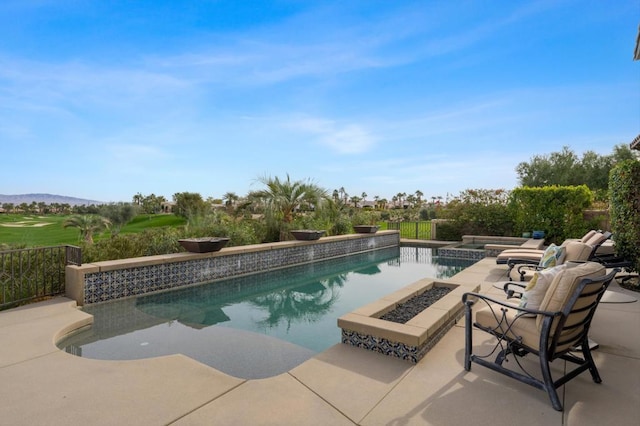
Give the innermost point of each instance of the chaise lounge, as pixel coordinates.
(574, 251)
(513, 257)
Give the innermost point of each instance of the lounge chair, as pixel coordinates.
(557, 328)
(535, 254)
(513, 257)
(574, 251)
(593, 238)
(619, 262)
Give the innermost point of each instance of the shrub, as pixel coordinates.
(220, 224)
(449, 231)
(364, 217)
(556, 210)
(624, 189)
(122, 246)
(476, 212)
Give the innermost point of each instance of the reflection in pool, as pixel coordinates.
(256, 325)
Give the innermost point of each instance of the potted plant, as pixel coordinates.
(366, 223)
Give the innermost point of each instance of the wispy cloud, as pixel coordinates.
(340, 138)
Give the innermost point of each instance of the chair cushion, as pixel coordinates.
(596, 239)
(551, 255)
(522, 254)
(576, 251)
(520, 251)
(564, 284)
(513, 326)
(588, 235)
(536, 289)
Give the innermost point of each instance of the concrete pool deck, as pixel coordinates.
(342, 386)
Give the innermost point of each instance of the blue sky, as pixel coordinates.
(105, 99)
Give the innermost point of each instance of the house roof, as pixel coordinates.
(635, 144)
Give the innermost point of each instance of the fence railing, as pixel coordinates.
(33, 273)
(414, 230)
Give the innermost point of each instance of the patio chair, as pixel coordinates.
(557, 329)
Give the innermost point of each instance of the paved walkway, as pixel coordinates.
(41, 385)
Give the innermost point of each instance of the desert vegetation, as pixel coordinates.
(551, 202)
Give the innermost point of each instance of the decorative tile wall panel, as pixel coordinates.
(127, 282)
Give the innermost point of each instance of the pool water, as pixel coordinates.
(256, 325)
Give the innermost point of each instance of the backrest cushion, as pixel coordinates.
(564, 284)
(588, 235)
(537, 287)
(550, 256)
(596, 239)
(576, 251)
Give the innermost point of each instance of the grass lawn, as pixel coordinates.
(39, 231)
(32, 230)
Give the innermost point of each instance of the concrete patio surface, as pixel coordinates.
(41, 385)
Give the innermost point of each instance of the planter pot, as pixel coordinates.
(366, 229)
(307, 234)
(203, 245)
(538, 235)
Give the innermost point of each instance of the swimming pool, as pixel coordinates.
(257, 325)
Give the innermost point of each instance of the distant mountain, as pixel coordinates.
(45, 198)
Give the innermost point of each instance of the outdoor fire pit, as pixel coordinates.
(307, 234)
(204, 244)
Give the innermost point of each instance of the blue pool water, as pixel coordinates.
(257, 325)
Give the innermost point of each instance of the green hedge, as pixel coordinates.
(556, 210)
(624, 189)
(476, 212)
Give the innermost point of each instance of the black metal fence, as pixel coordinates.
(33, 273)
(414, 230)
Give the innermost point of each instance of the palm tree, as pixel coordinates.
(343, 194)
(411, 199)
(285, 197)
(88, 225)
(231, 198)
(419, 196)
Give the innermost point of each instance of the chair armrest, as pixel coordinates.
(510, 292)
(467, 301)
(522, 269)
(612, 261)
(513, 261)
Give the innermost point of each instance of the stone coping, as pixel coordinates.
(535, 244)
(417, 332)
(109, 265)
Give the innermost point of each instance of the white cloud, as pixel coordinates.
(340, 138)
(351, 139)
